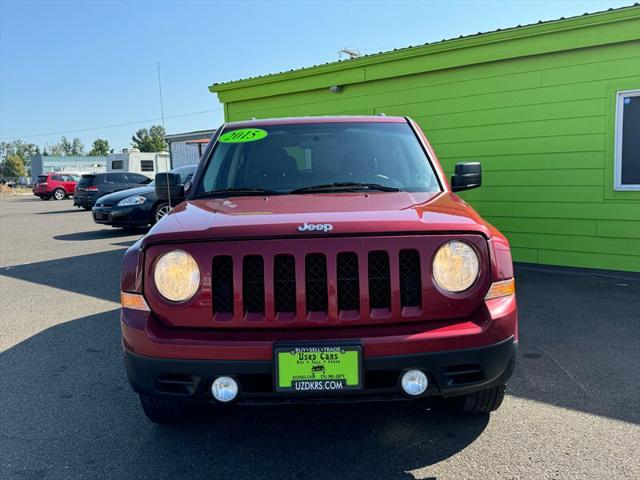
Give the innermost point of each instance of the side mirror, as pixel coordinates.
(168, 185)
(466, 176)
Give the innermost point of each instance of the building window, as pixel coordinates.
(627, 146)
(116, 165)
(146, 165)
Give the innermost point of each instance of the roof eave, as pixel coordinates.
(227, 90)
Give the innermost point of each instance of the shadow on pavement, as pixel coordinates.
(71, 414)
(124, 244)
(93, 274)
(107, 232)
(27, 198)
(579, 341)
(55, 212)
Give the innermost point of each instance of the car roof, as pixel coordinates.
(184, 168)
(327, 119)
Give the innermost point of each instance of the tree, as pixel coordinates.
(77, 148)
(18, 147)
(66, 147)
(56, 149)
(151, 140)
(100, 148)
(14, 166)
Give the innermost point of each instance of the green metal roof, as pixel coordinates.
(518, 31)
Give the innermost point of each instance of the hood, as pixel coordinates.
(346, 213)
(115, 197)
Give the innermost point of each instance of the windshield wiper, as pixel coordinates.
(225, 192)
(331, 187)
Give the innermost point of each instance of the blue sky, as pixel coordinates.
(73, 66)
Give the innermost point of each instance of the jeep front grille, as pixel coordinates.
(318, 281)
(283, 285)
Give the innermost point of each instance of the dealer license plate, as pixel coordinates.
(319, 368)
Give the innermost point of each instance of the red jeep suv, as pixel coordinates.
(318, 259)
(56, 185)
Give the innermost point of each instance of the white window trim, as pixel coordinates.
(617, 172)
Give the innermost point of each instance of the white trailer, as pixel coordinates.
(133, 160)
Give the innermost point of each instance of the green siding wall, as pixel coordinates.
(542, 125)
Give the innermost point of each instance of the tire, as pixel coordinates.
(59, 194)
(163, 411)
(160, 211)
(484, 401)
(86, 208)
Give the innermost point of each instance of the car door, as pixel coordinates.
(69, 183)
(55, 181)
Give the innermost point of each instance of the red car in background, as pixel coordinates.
(56, 185)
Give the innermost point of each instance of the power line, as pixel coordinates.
(114, 125)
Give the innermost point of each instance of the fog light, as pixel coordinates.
(414, 382)
(224, 389)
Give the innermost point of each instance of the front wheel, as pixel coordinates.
(59, 194)
(163, 411)
(160, 211)
(484, 401)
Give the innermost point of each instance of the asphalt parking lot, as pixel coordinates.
(572, 409)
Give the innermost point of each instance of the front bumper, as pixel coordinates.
(117, 216)
(459, 356)
(451, 373)
(85, 200)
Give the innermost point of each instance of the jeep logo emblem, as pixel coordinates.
(315, 227)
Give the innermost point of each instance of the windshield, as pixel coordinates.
(86, 181)
(327, 156)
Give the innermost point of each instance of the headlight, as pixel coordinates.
(135, 200)
(455, 266)
(177, 276)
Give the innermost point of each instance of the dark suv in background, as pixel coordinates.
(93, 186)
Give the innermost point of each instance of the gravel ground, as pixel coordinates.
(67, 410)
